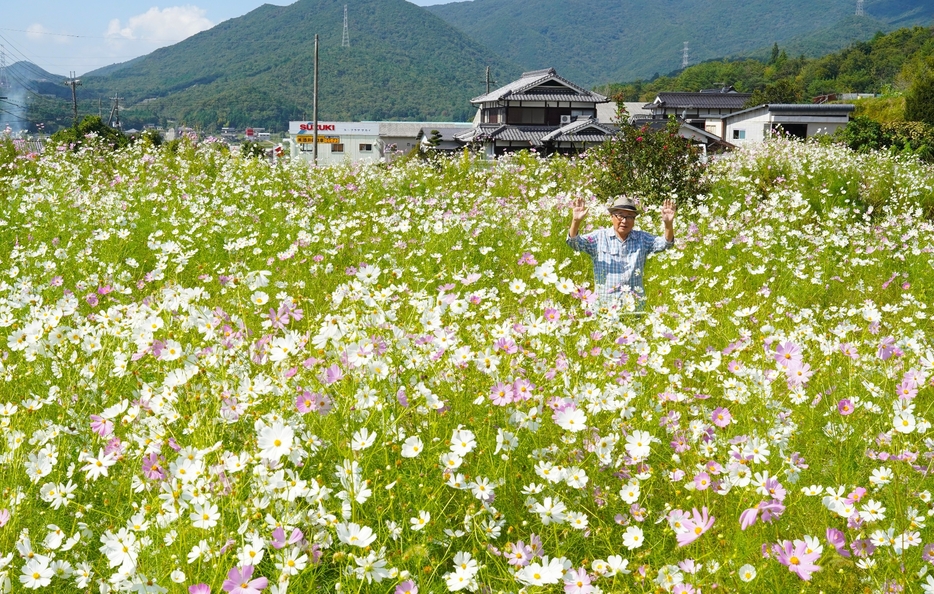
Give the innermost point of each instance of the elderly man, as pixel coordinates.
(619, 252)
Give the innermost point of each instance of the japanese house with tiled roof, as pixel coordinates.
(540, 111)
(705, 109)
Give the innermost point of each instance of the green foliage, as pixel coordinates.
(919, 102)
(653, 164)
(151, 136)
(864, 134)
(91, 131)
(881, 109)
(866, 67)
(252, 150)
(784, 90)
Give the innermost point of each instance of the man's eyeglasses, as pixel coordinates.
(623, 217)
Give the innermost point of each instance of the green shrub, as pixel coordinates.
(91, 131)
(654, 164)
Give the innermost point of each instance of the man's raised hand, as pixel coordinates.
(668, 211)
(578, 210)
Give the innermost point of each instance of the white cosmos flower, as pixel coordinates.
(633, 538)
(355, 535)
(420, 521)
(204, 516)
(259, 298)
(549, 571)
(362, 439)
(638, 444)
(412, 447)
(275, 441)
(573, 420)
(747, 573)
(517, 286)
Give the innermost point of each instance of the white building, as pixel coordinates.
(800, 120)
(358, 141)
(337, 141)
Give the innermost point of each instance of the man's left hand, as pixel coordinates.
(668, 212)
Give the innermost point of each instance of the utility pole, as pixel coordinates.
(314, 109)
(74, 83)
(489, 80)
(345, 38)
(114, 121)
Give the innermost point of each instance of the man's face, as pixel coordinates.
(623, 222)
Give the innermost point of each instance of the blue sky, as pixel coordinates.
(64, 35)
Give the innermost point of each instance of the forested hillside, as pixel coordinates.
(402, 63)
(595, 42)
(886, 63)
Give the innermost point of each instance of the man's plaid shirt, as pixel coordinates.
(618, 265)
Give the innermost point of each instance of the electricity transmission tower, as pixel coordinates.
(345, 38)
(859, 8)
(684, 56)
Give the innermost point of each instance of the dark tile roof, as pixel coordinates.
(700, 101)
(534, 78)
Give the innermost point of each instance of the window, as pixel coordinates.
(365, 148)
(739, 135)
(337, 148)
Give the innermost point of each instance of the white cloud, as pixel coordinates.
(167, 25)
(39, 32)
(36, 31)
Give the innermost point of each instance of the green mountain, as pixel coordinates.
(594, 42)
(886, 63)
(403, 63)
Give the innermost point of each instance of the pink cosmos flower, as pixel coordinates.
(845, 407)
(4, 517)
(199, 589)
(332, 374)
(699, 523)
(702, 481)
(787, 353)
(849, 350)
(407, 587)
(798, 373)
(101, 426)
(907, 390)
(502, 394)
(795, 556)
(721, 417)
(577, 581)
(838, 541)
(238, 581)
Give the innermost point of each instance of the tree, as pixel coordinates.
(784, 90)
(653, 164)
(91, 130)
(919, 101)
(775, 53)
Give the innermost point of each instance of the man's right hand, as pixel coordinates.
(578, 210)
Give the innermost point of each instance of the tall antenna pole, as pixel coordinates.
(859, 8)
(314, 109)
(684, 56)
(489, 80)
(345, 38)
(74, 83)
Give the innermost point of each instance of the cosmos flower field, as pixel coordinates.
(221, 375)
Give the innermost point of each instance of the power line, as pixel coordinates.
(111, 37)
